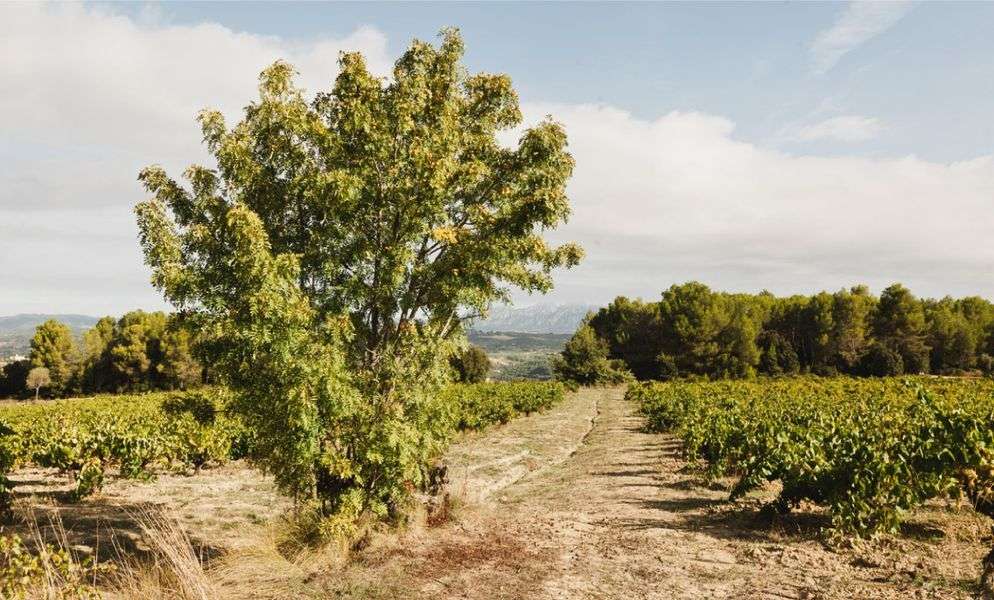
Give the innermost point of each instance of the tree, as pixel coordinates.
(12, 377)
(691, 318)
(631, 329)
(331, 257)
(816, 334)
(851, 310)
(95, 373)
(178, 368)
(52, 347)
(881, 360)
(707, 333)
(899, 323)
(135, 350)
(38, 377)
(584, 360)
(471, 365)
(777, 356)
(950, 336)
(738, 355)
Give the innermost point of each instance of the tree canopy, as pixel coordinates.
(330, 257)
(54, 349)
(693, 331)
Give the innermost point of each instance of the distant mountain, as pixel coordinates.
(16, 331)
(28, 322)
(538, 318)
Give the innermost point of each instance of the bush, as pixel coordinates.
(471, 365)
(48, 573)
(881, 361)
(584, 361)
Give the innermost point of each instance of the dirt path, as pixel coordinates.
(620, 516)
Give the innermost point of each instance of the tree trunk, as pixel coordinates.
(37, 389)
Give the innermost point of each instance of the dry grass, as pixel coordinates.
(172, 569)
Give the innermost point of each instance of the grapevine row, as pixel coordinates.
(869, 450)
(142, 435)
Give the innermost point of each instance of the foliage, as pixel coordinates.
(880, 360)
(52, 348)
(13, 377)
(49, 572)
(869, 450)
(330, 257)
(138, 434)
(631, 329)
(777, 356)
(471, 365)
(480, 405)
(693, 331)
(141, 351)
(899, 322)
(38, 378)
(584, 361)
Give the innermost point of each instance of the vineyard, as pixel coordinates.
(139, 436)
(869, 450)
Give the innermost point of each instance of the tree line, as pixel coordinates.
(695, 331)
(140, 351)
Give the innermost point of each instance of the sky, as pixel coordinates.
(790, 147)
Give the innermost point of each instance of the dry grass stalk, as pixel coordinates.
(175, 570)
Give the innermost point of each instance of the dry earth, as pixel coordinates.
(578, 502)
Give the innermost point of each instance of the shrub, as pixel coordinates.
(879, 360)
(471, 365)
(584, 361)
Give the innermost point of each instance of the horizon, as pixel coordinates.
(794, 148)
(553, 304)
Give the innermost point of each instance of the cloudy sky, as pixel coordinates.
(789, 147)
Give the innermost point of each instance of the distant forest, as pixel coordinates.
(141, 351)
(694, 331)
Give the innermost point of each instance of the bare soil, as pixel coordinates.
(577, 502)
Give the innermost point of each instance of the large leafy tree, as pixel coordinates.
(332, 254)
(135, 349)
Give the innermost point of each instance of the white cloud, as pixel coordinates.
(846, 128)
(860, 22)
(89, 98)
(679, 198)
